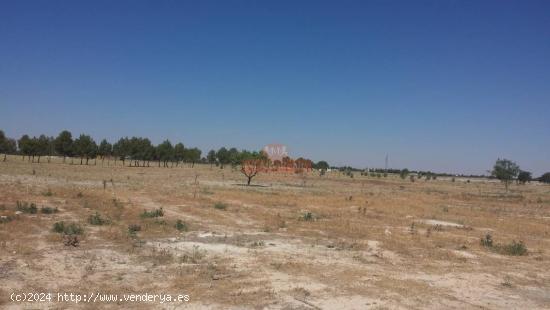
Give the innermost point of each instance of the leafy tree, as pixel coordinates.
(134, 150)
(165, 152)
(25, 146)
(194, 156)
(105, 149)
(322, 165)
(85, 147)
(63, 144)
(505, 170)
(211, 157)
(121, 149)
(148, 151)
(234, 157)
(179, 153)
(524, 177)
(41, 146)
(403, 174)
(223, 156)
(545, 178)
(7, 145)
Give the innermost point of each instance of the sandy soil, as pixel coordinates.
(295, 242)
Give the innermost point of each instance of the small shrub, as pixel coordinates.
(307, 216)
(160, 222)
(79, 195)
(26, 208)
(67, 229)
(514, 248)
(152, 214)
(116, 203)
(181, 225)
(487, 241)
(257, 244)
(6, 219)
(133, 228)
(48, 193)
(48, 210)
(220, 206)
(194, 257)
(412, 229)
(71, 240)
(96, 219)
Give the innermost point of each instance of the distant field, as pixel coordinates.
(289, 242)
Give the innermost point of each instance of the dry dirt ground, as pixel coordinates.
(294, 242)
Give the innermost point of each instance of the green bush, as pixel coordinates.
(181, 225)
(26, 208)
(487, 241)
(96, 219)
(514, 248)
(220, 206)
(152, 214)
(67, 228)
(133, 229)
(307, 216)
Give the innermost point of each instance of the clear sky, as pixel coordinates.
(439, 85)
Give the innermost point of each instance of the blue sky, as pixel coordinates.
(438, 85)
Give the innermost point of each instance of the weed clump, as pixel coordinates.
(181, 225)
(67, 228)
(514, 248)
(96, 219)
(152, 214)
(26, 208)
(133, 229)
(6, 219)
(487, 241)
(307, 217)
(220, 206)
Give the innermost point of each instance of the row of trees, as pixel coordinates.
(135, 151)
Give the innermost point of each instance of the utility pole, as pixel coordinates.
(386, 166)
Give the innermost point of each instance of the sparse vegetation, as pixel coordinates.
(308, 217)
(133, 228)
(6, 219)
(362, 223)
(181, 225)
(25, 207)
(220, 206)
(514, 248)
(68, 228)
(152, 214)
(96, 219)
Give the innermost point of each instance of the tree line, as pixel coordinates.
(134, 151)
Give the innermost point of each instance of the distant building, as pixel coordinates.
(276, 151)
